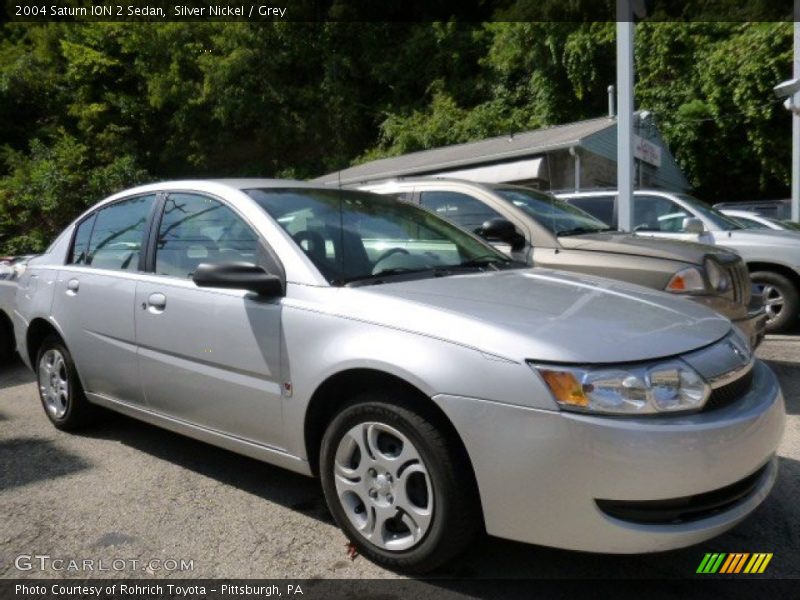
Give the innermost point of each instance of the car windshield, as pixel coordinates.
(749, 223)
(360, 237)
(554, 214)
(721, 222)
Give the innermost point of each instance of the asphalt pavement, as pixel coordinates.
(127, 491)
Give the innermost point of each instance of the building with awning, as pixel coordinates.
(578, 156)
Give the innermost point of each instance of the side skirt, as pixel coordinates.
(260, 452)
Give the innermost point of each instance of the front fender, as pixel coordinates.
(318, 346)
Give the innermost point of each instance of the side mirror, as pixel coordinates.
(693, 225)
(238, 276)
(500, 230)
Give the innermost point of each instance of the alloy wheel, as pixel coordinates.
(773, 301)
(384, 486)
(54, 383)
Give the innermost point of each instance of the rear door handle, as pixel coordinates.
(156, 302)
(72, 286)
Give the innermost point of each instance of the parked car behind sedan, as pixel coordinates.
(775, 209)
(773, 257)
(435, 386)
(752, 220)
(537, 228)
(11, 267)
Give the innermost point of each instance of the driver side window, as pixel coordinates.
(197, 229)
(655, 213)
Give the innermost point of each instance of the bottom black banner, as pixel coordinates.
(388, 589)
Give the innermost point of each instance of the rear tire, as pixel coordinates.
(60, 388)
(397, 485)
(780, 298)
(7, 342)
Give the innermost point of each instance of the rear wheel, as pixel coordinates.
(6, 339)
(59, 387)
(397, 486)
(780, 300)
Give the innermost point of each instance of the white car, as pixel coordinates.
(753, 220)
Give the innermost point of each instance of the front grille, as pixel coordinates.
(740, 282)
(681, 510)
(730, 392)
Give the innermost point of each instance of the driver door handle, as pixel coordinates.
(156, 302)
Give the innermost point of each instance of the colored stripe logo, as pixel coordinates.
(735, 562)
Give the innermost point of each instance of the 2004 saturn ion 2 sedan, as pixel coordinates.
(436, 387)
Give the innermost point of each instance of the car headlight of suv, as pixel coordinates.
(666, 387)
(717, 276)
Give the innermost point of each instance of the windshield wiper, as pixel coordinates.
(487, 260)
(378, 277)
(580, 230)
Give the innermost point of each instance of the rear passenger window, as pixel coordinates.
(80, 246)
(115, 241)
(465, 211)
(197, 229)
(601, 207)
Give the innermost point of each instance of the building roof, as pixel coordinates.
(480, 152)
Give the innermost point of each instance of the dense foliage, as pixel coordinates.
(88, 109)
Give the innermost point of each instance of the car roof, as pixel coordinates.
(740, 213)
(399, 183)
(614, 192)
(212, 186)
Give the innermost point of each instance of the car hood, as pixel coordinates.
(540, 314)
(618, 242)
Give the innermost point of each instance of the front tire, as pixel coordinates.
(780, 298)
(60, 388)
(398, 485)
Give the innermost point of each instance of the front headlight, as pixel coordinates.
(717, 277)
(689, 279)
(670, 386)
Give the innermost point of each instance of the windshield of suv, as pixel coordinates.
(360, 237)
(554, 214)
(722, 222)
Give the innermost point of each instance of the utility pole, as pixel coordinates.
(796, 120)
(625, 114)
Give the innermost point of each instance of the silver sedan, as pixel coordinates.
(437, 388)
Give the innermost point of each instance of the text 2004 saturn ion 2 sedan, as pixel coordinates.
(437, 388)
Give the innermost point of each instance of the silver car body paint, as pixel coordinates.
(239, 371)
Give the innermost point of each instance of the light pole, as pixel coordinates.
(625, 114)
(796, 120)
(791, 91)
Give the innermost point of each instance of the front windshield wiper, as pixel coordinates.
(486, 260)
(580, 230)
(378, 277)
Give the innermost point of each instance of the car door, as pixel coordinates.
(209, 357)
(95, 295)
(468, 213)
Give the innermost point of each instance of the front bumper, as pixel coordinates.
(754, 324)
(751, 320)
(540, 473)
